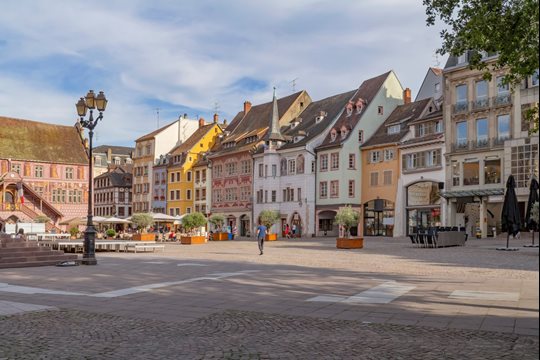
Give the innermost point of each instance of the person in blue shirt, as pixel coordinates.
(261, 232)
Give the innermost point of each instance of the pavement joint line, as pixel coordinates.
(381, 294)
(191, 264)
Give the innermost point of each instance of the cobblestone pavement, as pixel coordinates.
(70, 334)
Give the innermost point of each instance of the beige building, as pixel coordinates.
(486, 141)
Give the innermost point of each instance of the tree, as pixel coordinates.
(41, 219)
(269, 218)
(217, 220)
(142, 220)
(346, 217)
(193, 221)
(507, 28)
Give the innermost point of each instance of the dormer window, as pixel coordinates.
(394, 129)
(294, 124)
(343, 132)
(321, 116)
(360, 104)
(462, 59)
(333, 135)
(349, 108)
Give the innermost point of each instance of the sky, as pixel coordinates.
(156, 60)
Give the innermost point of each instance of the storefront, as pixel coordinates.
(423, 206)
(379, 218)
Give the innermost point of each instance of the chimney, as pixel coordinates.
(407, 96)
(216, 118)
(201, 122)
(247, 107)
(224, 123)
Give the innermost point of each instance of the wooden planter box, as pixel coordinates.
(192, 240)
(270, 237)
(352, 243)
(220, 236)
(144, 237)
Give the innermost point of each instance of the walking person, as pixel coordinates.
(293, 230)
(261, 233)
(287, 231)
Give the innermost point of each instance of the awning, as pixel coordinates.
(471, 193)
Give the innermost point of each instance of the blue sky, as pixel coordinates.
(193, 56)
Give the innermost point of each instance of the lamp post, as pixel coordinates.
(90, 102)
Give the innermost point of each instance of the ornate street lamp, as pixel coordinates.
(90, 102)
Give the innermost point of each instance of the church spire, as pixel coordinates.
(275, 134)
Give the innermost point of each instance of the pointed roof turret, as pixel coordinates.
(275, 134)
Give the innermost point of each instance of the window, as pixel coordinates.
(245, 166)
(421, 129)
(283, 167)
(351, 188)
(481, 90)
(188, 194)
(204, 175)
(312, 167)
(172, 177)
(471, 173)
(433, 158)
(437, 87)
(360, 136)
(38, 171)
(300, 163)
(274, 170)
(197, 176)
(218, 171)
(388, 154)
(462, 59)
(230, 168)
(481, 132)
(323, 165)
(189, 176)
(534, 78)
(375, 156)
(323, 189)
(524, 164)
(394, 129)
(352, 161)
(492, 171)
(461, 94)
(374, 179)
(439, 126)
(292, 167)
(334, 158)
(274, 195)
(333, 135)
(503, 127)
(502, 89)
(261, 170)
(16, 168)
(380, 110)
(69, 173)
(299, 194)
(334, 188)
(387, 177)
(461, 133)
(265, 196)
(171, 195)
(178, 177)
(188, 210)
(177, 194)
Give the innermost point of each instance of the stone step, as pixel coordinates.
(34, 263)
(30, 259)
(22, 248)
(37, 252)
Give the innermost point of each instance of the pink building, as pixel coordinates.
(50, 164)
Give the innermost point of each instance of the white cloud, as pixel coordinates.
(189, 54)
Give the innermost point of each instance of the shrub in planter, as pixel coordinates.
(218, 221)
(111, 233)
(268, 219)
(73, 232)
(41, 219)
(190, 222)
(347, 217)
(142, 221)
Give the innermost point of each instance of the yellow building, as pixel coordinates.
(180, 176)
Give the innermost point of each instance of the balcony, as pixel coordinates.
(499, 141)
(480, 104)
(481, 143)
(460, 146)
(501, 100)
(460, 108)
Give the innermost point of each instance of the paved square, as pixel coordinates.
(293, 302)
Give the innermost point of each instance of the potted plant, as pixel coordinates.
(269, 218)
(142, 221)
(42, 219)
(346, 217)
(111, 233)
(73, 232)
(218, 221)
(190, 222)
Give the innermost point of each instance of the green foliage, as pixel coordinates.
(73, 231)
(507, 28)
(41, 219)
(142, 220)
(193, 221)
(217, 220)
(347, 217)
(110, 233)
(535, 213)
(269, 218)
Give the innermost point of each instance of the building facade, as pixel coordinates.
(284, 178)
(339, 165)
(148, 149)
(48, 165)
(108, 157)
(112, 193)
(231, 159)
(486, 140)
(180, 175)
(159, 203)
(202, 186)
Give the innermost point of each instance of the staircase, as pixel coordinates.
(15, 253)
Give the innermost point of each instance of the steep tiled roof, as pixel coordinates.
(155, 132)
(116, 150)
(309, 127)
(193, 139)
(428, 116)
(367, 92)
(256, 121)
(424, 139)
(37, 141)
(118, 177)
(403, 115)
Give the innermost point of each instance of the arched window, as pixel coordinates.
(300, 164)
(283, 167)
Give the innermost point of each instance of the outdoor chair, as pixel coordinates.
(413, 239)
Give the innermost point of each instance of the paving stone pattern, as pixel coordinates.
(72, 334)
